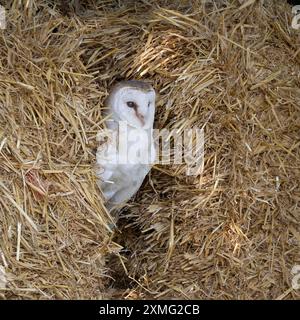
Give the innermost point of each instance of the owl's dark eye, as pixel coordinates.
(131, 104)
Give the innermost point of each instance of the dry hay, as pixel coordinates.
(231, 67)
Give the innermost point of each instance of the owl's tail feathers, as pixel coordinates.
(110, 206)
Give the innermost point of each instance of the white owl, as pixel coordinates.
(126, 158)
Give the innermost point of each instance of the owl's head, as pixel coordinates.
(134, 102)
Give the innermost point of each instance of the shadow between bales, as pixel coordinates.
(131, 234)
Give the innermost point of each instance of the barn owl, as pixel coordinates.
(126, 157)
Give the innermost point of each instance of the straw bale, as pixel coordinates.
(230, 67)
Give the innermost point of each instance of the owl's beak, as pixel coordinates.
(141, 118)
